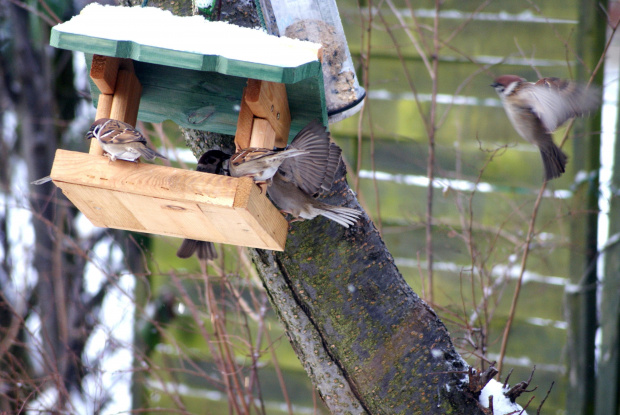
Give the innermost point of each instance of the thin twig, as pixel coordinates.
(34, 11)
(515, 297)
(50, 12)
(412, 38)
(431, 152)
(545, 398)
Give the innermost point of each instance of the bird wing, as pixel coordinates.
(250, 155)
(555, 101)
(118, 132)
(314, 171)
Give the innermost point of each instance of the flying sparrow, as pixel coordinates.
(537, 109)
(291, 199)
(121, 141)
(214, 162)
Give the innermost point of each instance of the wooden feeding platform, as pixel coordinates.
(258, 95)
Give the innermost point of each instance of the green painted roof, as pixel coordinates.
(193, 89)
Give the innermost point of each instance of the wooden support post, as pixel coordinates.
(103, 71)
(263, 135)
(104, 107)
(244, 125)
(264, 118)
(126, 97)
(268, 100)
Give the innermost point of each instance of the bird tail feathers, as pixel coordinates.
(204, 250)
(150, 154)
(342, 215)
(554, 160)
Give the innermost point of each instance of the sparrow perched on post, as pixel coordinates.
(537, 109)
(298, 180)
(214, 162)
(121, 141)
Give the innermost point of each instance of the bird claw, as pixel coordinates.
(262, 186)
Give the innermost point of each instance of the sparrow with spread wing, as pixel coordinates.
(537, 109)
(314, 171)
(298, 180)
(121, 141)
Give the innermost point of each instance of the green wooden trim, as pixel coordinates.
(202, 91)
(210, 101)
(183, 59)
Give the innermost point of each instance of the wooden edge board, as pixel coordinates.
(143, 178)
(257, 211)
(168, 201)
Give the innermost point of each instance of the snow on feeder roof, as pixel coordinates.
(193, 71)
(154, 27)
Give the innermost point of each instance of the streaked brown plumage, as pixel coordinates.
(299, 179)
(259, 163)
(537, 109)
(314, 171)
(121, 141)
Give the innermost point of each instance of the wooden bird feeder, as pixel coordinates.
(262, 100)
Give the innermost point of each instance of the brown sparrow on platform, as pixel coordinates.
(537, 109)
(121, 141)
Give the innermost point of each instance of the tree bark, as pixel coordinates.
(368, 342)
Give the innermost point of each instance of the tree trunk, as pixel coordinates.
(369, 343)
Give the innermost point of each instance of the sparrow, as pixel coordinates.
(537, 109)
(214, 162)
(260, 163)
(314, 171)
(121, 141)
(291, 199)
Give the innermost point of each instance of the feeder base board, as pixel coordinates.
(169, 201)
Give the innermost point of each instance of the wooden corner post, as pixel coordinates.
(264, 118)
